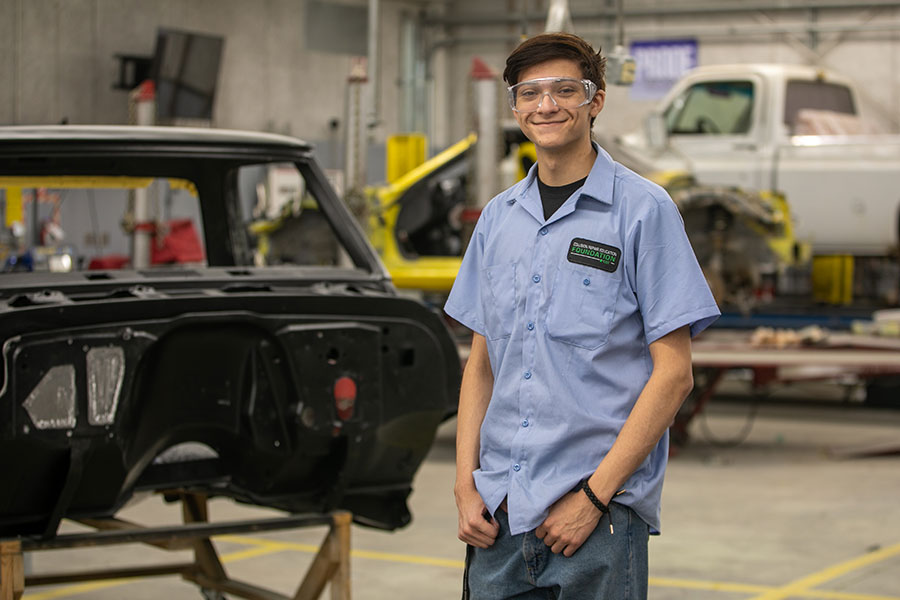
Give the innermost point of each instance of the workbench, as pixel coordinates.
(838, 357)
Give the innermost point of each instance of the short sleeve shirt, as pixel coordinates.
(568, 307)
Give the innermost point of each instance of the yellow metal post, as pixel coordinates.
(14, 212)
(405, 152)
(832, 279)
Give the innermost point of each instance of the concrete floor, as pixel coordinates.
(777, 516)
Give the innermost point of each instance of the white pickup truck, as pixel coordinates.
(788, 128)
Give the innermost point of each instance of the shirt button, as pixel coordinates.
(544, 231)
(536, 279)
(516, 467)
(527, 374)
(525, 423)
(586, 281)
(530, 326)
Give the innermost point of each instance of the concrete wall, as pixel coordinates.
(57, 62)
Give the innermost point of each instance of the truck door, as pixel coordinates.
(715, 125)
(842, 186)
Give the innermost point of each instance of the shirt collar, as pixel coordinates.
(599, 186)
(601, 180)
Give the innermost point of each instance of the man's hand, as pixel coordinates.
(476, 526)
(571, 521)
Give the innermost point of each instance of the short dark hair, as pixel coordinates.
(550, 46)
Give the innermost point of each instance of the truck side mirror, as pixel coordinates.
(655, 131)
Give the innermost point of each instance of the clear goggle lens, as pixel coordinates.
(565, 92)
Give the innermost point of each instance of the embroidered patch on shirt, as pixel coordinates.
(594, 254)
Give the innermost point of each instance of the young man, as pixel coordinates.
(583, 292)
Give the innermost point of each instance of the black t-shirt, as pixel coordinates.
(552, 197)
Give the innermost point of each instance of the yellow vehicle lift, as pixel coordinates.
(427, 273)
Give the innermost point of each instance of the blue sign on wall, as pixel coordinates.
(659, 64)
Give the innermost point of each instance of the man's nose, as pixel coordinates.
(551, 106)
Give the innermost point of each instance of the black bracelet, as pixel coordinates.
(594, 500)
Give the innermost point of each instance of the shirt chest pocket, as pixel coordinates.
(582, 305)
(499, 304)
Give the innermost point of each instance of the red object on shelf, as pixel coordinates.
(180, 245)
(108, 263)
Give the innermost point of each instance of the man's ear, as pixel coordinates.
(597, 102)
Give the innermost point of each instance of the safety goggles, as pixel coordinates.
(565, 92)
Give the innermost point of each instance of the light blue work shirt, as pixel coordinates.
(568, 307)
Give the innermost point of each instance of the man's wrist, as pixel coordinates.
(586, 488)
(464, 484)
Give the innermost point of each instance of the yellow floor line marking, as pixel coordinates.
(799, 588)
(826, 595)
(718, 586)
(654, 581)
(805, 584)
(405, 558)
(370, 554)
(266, 543)
(249, 553)
(715, 586)
(74, 590)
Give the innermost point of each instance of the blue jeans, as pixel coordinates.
(521, 567)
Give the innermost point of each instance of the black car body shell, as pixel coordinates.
(241, 359)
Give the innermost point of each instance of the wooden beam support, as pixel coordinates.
(114, 524)
(195, 510)
(233, 587)
(340, 580)
(330, 565)
(12, 570)
(126, 573)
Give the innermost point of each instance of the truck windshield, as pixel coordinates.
(718, 107)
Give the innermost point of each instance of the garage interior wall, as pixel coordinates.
(57, 56)
(860, 40)
(57, 62)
